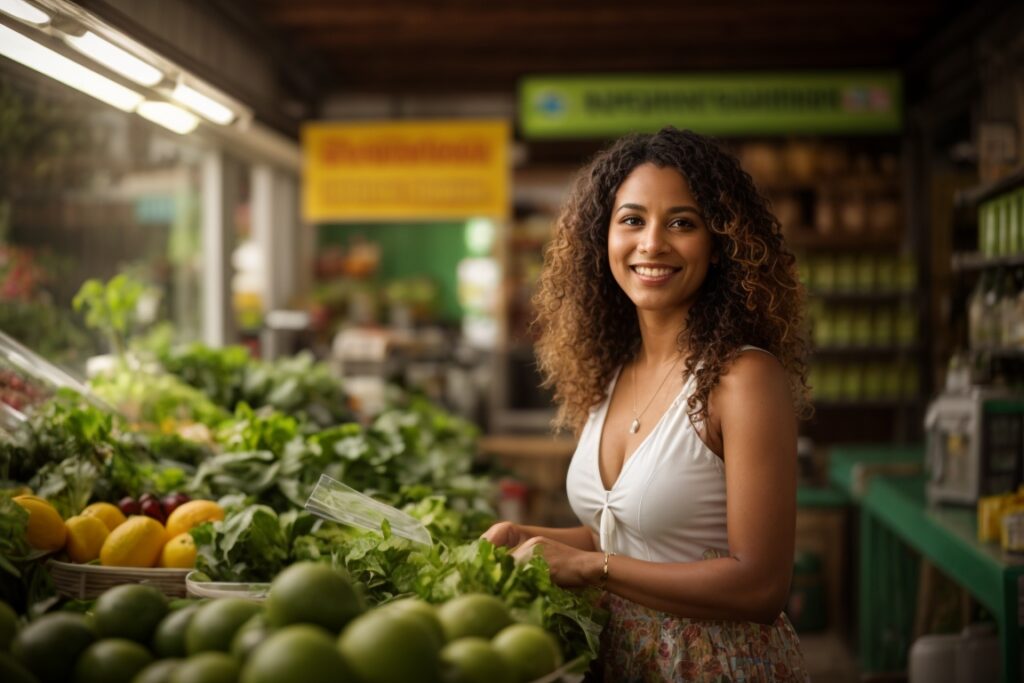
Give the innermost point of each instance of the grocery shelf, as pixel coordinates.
(979, 193)
(845, 351)
(970, 261)
(807, 238)
(863, 297)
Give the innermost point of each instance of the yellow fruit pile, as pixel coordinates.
(102, 531)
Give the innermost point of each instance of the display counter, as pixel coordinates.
(894, 515)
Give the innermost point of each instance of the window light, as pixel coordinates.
(116, 58)
(58, 67)
(19, 9)
(169, 116)
(209, 108)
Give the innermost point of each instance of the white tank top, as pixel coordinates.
(668, 504)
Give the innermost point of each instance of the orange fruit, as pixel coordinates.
(46, 530)
(106, 513)
(192, 514)
(179, 552)
(136, 543)
(85, 537)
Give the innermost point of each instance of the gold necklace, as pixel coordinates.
(634, 426)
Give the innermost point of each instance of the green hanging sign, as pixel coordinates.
(714, 104)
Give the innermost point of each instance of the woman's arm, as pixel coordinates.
(758, 428)
(511, 535)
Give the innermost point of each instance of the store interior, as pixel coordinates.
(266, 190)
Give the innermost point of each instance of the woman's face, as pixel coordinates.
(659, 247)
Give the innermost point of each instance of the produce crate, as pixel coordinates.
(87, 581)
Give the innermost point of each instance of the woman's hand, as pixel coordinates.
(506, 534)
(570, 567)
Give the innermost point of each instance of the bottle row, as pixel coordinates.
(860, 381)
(863, 326)
(1001, 225)
(995, 310)
(857, 272)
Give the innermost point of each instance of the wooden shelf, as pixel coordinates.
(965, 262)
(845, 351)
(975, 195)
(867, 404)
(862, 297)
(807, 238)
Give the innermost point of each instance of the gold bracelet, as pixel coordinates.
(604, 570)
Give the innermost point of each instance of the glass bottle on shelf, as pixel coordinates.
(1008, 308)
(1017, 337)
(976, 325)
(990, 312)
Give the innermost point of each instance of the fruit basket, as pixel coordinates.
(87, 581)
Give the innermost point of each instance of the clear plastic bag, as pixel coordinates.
(337, 502)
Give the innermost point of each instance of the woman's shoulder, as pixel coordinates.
(754, 370)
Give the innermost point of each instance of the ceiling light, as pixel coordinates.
(169, 116)
(115, 58)
(58, 67)
(208, 107)
(19, 9)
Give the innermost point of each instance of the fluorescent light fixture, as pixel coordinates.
(169, 116)
(115, 58)
(19, 9)
(209, 108)
(28, 52)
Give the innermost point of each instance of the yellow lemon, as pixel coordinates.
(136, 543)
(106, 513)
(85, 538)
(46, 530)
(192, 514)
(179, 552)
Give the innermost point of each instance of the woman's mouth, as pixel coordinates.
(652, 273)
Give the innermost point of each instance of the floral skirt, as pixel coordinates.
(640, 644)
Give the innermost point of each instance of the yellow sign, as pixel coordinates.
(405, 170)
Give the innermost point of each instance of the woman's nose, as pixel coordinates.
(652, 240)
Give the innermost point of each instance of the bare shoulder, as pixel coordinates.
(755, 378)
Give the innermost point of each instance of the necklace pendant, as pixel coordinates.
(635, 426)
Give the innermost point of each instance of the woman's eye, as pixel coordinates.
(632, 220)
(683, 224)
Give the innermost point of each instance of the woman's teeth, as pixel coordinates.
(652, 272)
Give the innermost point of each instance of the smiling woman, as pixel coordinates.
(668, 269)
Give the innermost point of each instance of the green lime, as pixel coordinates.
(114, 660)
(49, 646)
(311, 593)
(207, 667)
(423, 611)
(8, 626)
(251, 634)
(215, 624)
(387, 646)
(473, 660)
(169, 638)
(13, 671)
(158, 672)
(130, 611)
(297, 653)
(473, 614)
(529, 651)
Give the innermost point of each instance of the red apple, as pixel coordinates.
(129, 506)
(151, 508)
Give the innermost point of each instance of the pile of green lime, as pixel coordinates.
(313, 628)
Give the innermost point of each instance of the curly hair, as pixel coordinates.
(587, 326)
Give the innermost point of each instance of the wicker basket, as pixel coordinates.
(86, 581)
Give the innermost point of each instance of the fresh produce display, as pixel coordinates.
(133, 632)
(204, 459)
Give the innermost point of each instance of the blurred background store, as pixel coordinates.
(374, 182)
